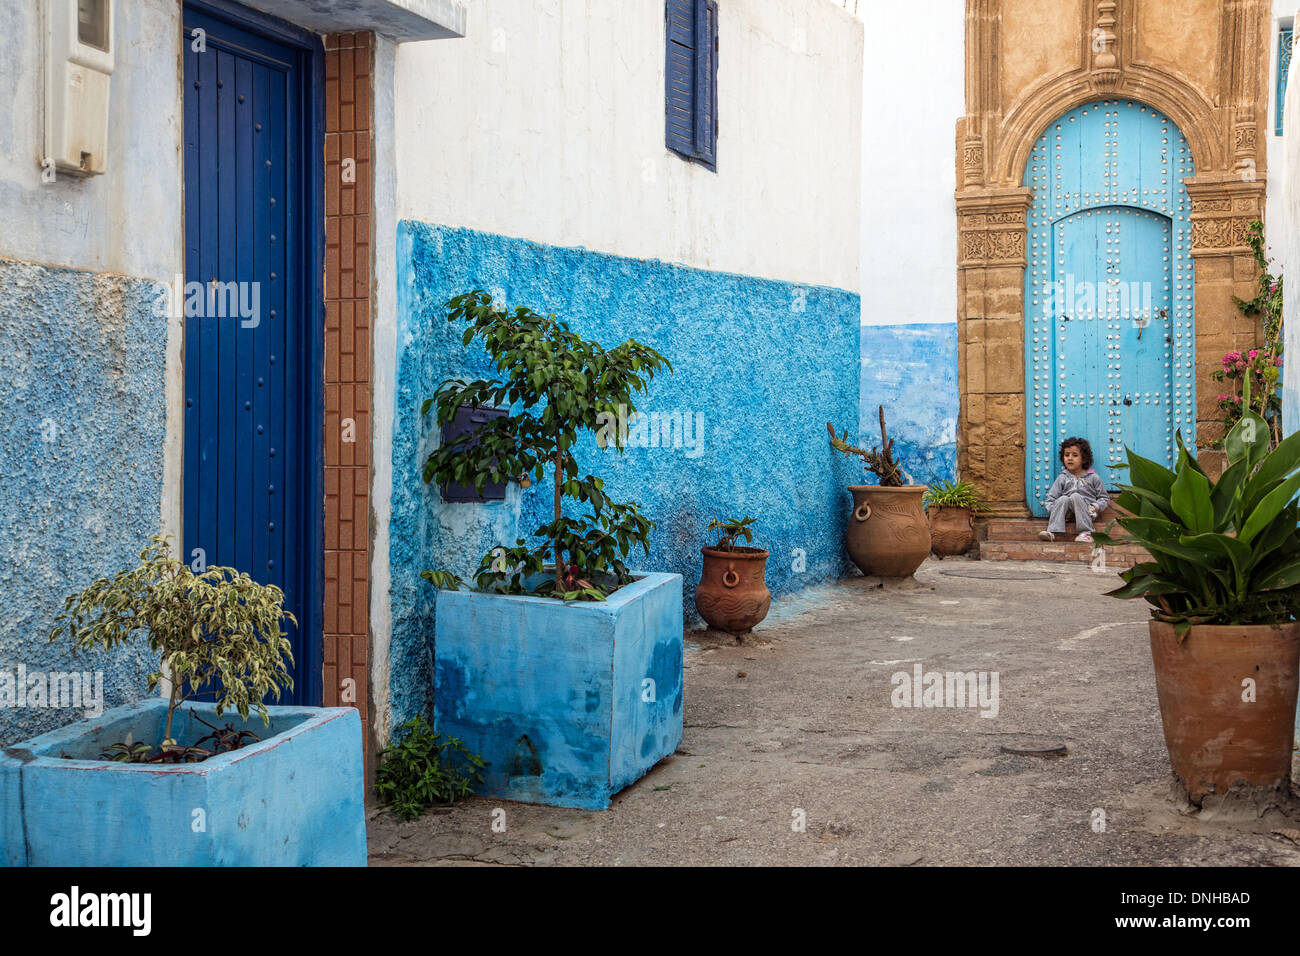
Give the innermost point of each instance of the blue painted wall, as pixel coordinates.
(912, 371)
(766, 364)
(81, 457)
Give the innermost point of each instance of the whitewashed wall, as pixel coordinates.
(547, 123)
(918, 47)
(1285, 192)
(1276, 215)
(125, 221)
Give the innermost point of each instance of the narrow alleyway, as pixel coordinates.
(798, 725)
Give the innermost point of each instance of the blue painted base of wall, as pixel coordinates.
(294, 798)
(760, 366)
(912, 371)
(81, 459)
(568, 704)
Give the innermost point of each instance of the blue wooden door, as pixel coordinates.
(1108, 292)
(250, 495)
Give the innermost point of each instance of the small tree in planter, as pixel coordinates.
(294, 798)
(217, 626)
(563, 385)
(898, 540)
(1224, 585)
(566, 703)
(732, 595)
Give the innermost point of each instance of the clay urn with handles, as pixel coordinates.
(732, 595)
(888, 535)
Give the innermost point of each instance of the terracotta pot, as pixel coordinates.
(951, 531)
(888, 535)
(732, 595)
(1214, 737)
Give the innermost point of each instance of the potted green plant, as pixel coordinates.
(100, 792)
(732, 595)
(562, 668)
(887, 535)
(951, 507)
(1224, 585)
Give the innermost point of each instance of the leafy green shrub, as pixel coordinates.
(953, 494)
(219, 625)
(729, 529)
(423, 768)
(561, 385)
(1223, 552)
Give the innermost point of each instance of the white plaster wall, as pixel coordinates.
(1277, 218)
(129, 219)
(918, 46)
(384, 352)
(547, 123)
(1286, 175)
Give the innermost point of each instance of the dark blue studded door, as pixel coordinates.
(251, 489)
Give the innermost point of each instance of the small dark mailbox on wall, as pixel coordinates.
(468, 421)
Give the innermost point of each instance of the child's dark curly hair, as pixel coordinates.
(1085, 450)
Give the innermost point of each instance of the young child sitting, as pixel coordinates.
(1077, 489)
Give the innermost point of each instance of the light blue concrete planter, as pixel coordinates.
(296, 797)
(568, 703)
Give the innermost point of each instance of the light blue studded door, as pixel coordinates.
(1108, 291)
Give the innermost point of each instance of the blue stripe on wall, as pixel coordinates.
(912, 371)
(761, 366)
(81, 455)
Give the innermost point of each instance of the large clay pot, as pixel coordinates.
(951, 531)
(888, 535)
(732, 595)
(1216, 738)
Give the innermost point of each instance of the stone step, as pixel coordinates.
(1073, 552)
(1027, 529)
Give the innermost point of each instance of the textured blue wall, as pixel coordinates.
(765, 363)
(912, 371)
(81, 456)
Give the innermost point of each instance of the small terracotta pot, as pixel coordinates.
(951, 531)
(732, 595)
(888, 535)
(1216, 738)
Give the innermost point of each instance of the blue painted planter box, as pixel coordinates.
(568, 703)
(296, 797)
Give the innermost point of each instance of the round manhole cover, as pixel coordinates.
(1011, 574)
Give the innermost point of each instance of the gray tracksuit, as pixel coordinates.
(1069, 493)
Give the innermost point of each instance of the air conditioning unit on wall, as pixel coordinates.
(79, 49)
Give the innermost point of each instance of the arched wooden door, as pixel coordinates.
(1109, 327)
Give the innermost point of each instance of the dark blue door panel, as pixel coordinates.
(252, 395)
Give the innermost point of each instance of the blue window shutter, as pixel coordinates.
(706, 82)
(680, 73)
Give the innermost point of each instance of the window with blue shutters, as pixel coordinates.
(1283, 67)
(691, 84)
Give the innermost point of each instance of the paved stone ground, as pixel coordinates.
(799, 717)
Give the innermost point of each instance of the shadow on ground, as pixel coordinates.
(798, 724)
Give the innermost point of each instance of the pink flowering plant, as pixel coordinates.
(1262, 366)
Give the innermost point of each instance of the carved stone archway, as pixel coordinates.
(1203, 63)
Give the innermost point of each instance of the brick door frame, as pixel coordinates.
(348, 376)
(1224, 129)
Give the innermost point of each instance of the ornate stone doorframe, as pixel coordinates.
(1147, 50)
